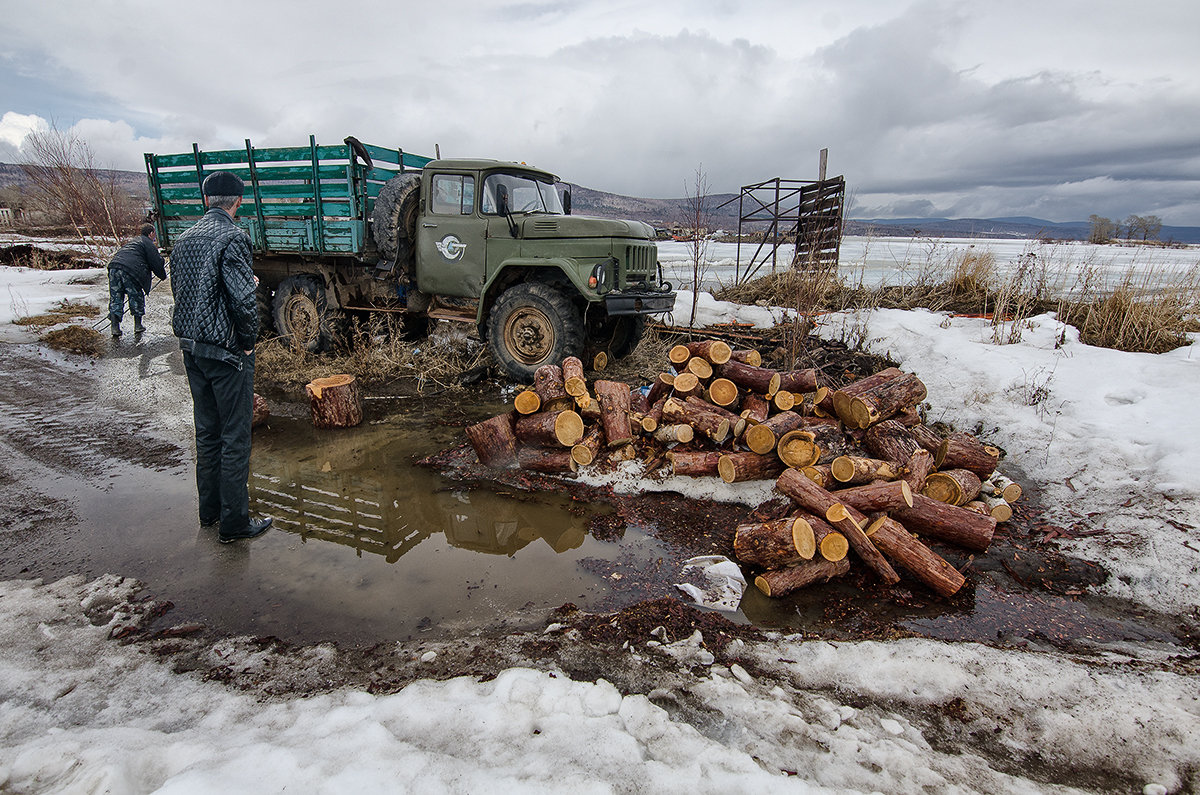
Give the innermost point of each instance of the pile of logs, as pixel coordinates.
(862, 471)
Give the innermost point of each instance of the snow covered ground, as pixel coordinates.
(1106, 434)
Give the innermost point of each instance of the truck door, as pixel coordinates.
(450, 239)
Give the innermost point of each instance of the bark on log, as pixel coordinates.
(756, 379)
(997, 507)
(947, 522)
(656, 410)
(494, 441)
(638, 402)
(853, 469)
(573, 381)
(798, 380)
(713, 426)
(736, 423)
(613, 397)
(548, 383)
(952, 486)
(527, 402)
(588, 407)
(739, 467)
(550, 428)
(823, 402)
(891, 441)
(963, 451)
(820, 475)
(723, 392)
(669, 434)
(694, 463)
(661, 387)
(919, 465)
(908, 417)
(875, 497)
(755, 407)
(842, 397)
(763, 437)
(850, 522)
(781, 582)
(539, 459)
(750, 357)
(907, 551)
(926, 437)
(589, 446)
(774, 544)
(335, 401)
(260, 411)
(886, 399)
(713, 351)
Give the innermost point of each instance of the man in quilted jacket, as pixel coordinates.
(129, 277)
(216, 321)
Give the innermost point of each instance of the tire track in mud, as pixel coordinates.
(52, 416)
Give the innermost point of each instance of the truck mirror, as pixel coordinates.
(566, 199)
(502, 199)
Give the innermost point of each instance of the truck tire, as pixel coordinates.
(620, 335)
(394, 219)
(302, 313)
(262, 298)
(532, 324)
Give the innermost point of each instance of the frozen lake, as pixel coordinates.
(875, 261)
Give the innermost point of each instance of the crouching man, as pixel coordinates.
(129, 277)
(217, 324)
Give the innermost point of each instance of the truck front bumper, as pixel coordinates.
(639, 302)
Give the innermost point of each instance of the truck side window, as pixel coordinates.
(453, 194)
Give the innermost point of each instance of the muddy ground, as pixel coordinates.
(68, 424)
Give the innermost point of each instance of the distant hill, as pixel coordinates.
(661, 213)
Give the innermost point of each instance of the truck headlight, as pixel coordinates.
(601, 279)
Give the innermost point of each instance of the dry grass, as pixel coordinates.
(1134, 316)
(76, 339)
(59, 313)
(377, 354)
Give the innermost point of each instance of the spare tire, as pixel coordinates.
(394, 219)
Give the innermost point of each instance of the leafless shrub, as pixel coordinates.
(1147, 311)
(76, 339)
(61, 312)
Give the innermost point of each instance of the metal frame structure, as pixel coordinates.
(807, 213)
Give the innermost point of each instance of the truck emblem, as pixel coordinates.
(451, 247)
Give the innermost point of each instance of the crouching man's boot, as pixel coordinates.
(138, 328)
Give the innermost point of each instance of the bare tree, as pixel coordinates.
(62, 169)
(1145, 227)
(1102, 230)
(699, 212)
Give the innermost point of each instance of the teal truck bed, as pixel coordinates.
(314, 200)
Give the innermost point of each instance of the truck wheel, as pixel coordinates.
(262, 298)
(533, 324)
(302, 313)
(394, 219)
(620, 335)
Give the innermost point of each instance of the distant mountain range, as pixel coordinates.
(722, 211)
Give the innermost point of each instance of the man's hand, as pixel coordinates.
(248, 352)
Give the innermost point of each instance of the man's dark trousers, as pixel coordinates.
(223, 405)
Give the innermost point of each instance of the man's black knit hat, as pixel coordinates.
(223, 183)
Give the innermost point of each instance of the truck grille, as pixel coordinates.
(640, 262)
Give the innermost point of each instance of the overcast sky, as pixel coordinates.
(1055, 109)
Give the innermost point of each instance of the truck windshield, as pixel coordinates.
(525, 194)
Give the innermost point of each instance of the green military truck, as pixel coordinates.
(360, 227)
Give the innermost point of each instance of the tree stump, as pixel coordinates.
(336, 401)
(260, 412)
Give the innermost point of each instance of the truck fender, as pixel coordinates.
(520, 269)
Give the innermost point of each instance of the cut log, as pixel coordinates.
(686, 385)
(952, 486)
(755, 408)
(850, 522)
(875, 497)
(820, 475)
(494, 441)
(823, 402)
(260, 411)
(891, 441)
(527, 402)
(550, 429)
(750, 357)
(926, 437)
(713, 426)
(739, 467)
(573, 381)
(831, 544)
(852, 469)
(713, 351)
(613, 397)
(947, 522)
(774, 544)
(670, 434)
(919, 465)
(798, 380)
(701, 368)
(694, 463)
(736, 423)
(798, 448)
(642, 423)
(784, 400)
(600, 361)
(908, 417)
(997, 507)
(886, 399)
(588, 407)
(843, 396)
(661, 387)
(539, 459)
(756, 379)
(1004, 486)
(902, 547)
(679, 354)
(335, 401)
(548, 383)
(589, 447)
(963, 451)
(638, 402)
(655, 412)
(763, 437)
(781, 582)
(723, 392)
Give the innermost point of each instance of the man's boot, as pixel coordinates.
(116, 326)
(138, 328)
